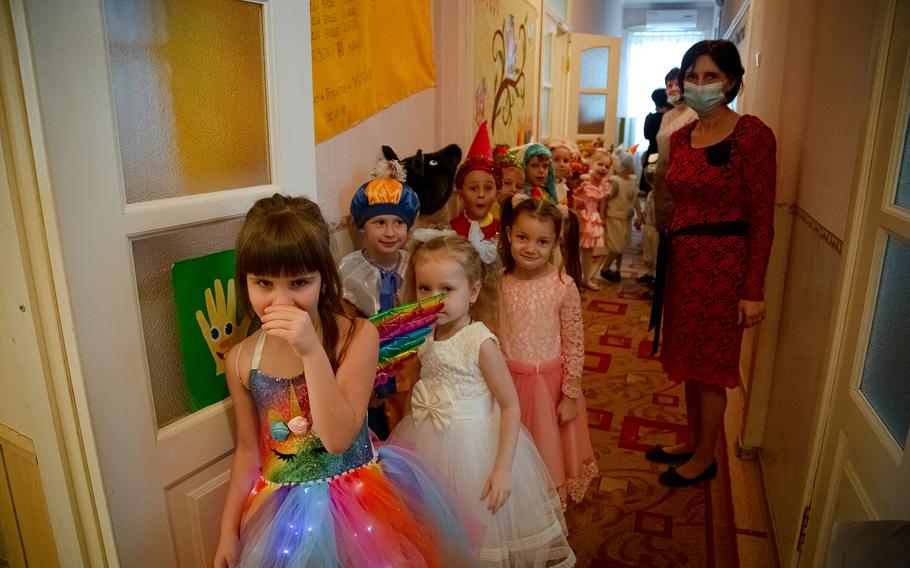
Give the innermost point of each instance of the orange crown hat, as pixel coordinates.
(480, 157)
(385, 194)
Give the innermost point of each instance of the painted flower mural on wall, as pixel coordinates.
(510, 54)
(480, 103)
(505, 60)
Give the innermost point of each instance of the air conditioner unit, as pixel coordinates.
(671, 19)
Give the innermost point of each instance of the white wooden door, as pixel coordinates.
(559, 93)
(593, 87)
(864, 467)
(161, 122)
(554, 81)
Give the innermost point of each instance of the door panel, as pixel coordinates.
(195, 512)
(593, 87)
(163, 468)
(559, 78)
(864, 466)
(554, 53)
(849, 497)
(554, 77)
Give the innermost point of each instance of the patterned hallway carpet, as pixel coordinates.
(628, 519)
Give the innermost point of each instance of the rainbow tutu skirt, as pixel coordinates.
(360, 508)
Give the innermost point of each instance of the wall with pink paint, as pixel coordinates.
(812, 88)
(836, 106)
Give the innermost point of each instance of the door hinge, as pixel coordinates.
(565, 64)
(802, 529)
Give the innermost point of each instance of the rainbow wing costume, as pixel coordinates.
(401, 331)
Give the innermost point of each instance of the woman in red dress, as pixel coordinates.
(721, 176)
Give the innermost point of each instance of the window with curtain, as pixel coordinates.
(648, 56)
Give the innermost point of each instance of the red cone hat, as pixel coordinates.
(480, 157)
(481, 147)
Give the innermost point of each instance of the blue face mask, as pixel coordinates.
(704, 98)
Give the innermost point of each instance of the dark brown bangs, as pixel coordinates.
(287, 236)
(282, 243)
(282, 246)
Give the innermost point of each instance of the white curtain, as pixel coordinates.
(647, 58)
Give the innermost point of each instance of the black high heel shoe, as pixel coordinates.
(658, 454)
(672, 478)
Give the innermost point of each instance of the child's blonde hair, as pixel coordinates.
(486, 308)
(600, 153)
(517, 167)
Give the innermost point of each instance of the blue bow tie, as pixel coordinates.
(389, 283)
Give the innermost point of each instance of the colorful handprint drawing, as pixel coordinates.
(220, 330)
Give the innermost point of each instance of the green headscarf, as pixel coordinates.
(550, 186)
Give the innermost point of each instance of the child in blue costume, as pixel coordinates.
(307, 487)
(384, 210)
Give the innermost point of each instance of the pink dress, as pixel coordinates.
(543, 342)
(587, 203)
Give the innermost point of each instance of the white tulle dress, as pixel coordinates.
(454, 428)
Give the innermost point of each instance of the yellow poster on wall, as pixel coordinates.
(367, 55)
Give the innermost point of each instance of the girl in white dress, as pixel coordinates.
(465, 418)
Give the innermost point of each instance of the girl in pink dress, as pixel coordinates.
(588, 197)
(543, 341)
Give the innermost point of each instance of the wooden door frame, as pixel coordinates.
(556, 120)
(64, 445)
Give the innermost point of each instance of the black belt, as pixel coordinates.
(720, 229)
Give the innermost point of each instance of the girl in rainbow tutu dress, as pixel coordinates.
(307, 486)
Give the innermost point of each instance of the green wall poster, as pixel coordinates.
(206, 298)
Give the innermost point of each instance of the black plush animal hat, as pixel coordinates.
(431, 176)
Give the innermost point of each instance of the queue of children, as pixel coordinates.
(495, 444)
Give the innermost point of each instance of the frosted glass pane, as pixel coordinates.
(152, 259)
(190, 95)
(595, 63)
(886, 373)
(545, 113)
(902, 199)
(547, 57)
(592, 112)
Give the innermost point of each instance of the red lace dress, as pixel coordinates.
(708, 275)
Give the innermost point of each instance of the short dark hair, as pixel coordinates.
(673, 75)
(659, 96)
(725, 56)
